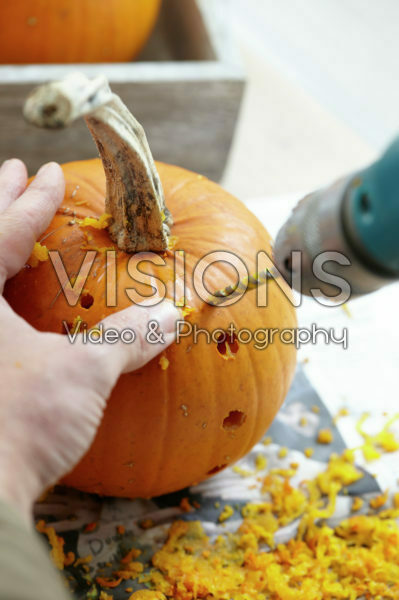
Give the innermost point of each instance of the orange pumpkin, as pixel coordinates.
(175, 421)
(61, 31)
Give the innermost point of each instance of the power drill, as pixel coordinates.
(352, 225)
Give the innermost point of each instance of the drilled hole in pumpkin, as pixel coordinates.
(217, 469)
(234, 420)
(86, 301)
(227, 344)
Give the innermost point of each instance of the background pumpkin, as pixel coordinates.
(65, 31)
(165, 429)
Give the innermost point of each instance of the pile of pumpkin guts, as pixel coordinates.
(359, 558)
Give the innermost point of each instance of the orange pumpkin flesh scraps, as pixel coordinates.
(86, 31)
(168, 427)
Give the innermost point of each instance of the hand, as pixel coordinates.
(53, 393)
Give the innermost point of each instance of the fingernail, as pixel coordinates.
(7, 163)
(166, 314)
(44, 168)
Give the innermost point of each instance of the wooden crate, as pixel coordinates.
(185, 89)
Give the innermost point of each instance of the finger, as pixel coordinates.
(13, 178)
(27, 217)
(125, 356)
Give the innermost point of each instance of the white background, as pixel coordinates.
(323, 90)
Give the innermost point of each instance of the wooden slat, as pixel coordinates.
(188, 107)
(191, 126)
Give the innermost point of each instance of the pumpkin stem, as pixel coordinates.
(134, 197)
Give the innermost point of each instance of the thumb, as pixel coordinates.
(27, 217)
(134, 336)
